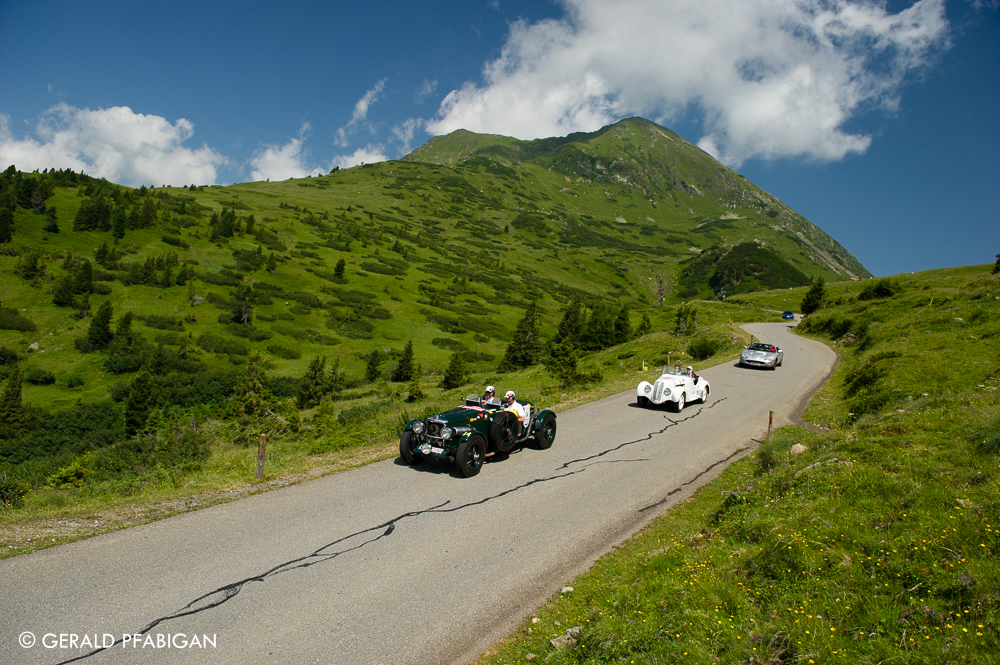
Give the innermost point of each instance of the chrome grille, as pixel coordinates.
(434, 428)
(657, 391)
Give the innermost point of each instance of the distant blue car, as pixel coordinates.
(788, 314)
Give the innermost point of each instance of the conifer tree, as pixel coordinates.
(996, 266)
(137, 404)
(250, 401)
(337, 381)
(623, 326)
(242, 305)
(63, 295)
(313, 383)
(524, 347)
(457, 373)
(83, 281)
(6, 224)
(372, 372)
(251, 223)
(51, 225)
(413, 389)
(404, 368)
(570, 326)
(12, 416)
(118, 223)
(338, 270)
(99, 333)
(814, 297)
(272, 263)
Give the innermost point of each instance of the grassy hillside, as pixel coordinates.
(876, 542)
(146, 334)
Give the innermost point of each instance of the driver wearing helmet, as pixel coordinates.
(513, 406)
(690, 372)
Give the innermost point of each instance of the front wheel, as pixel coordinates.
(546, 434)
(406, 448)
(643, 401)
(470, 455)
(679, 405)
(503, 435)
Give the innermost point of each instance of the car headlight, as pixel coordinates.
(418, 427)
(425, 449)
(648, 389)
(666, 391)
(445, 433)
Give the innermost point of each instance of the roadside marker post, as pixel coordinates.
(261, 450)
(770, 423)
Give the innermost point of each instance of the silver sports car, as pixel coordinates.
(760, 354)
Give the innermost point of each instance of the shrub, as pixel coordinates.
(74, 381)
(11, 319)
(12, 492)
(219, 344)
(284, 352)
(7, 357)
(39, 377)
(164, 323)
(362, 412)
(883, 288)
(704, 348)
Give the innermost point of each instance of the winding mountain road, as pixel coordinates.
(389, 563)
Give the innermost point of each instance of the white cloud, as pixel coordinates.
(367, 155)
(404, 132)
(282, 162)
(425, 90)
(115, 143)
(772, 78)
(360, 113)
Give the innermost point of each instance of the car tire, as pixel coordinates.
(678, 406)
(546, 434)
(503, 431)
(406, 444)
(642, 401)
(470, 455)
(704, 395)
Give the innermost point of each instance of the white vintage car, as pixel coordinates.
(674, 388)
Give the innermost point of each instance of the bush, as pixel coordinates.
(75, 382)
(11, 319)
(219, 344)
(883, 288)
(39, 377)
(284, 352)
(164, 323)
(362, 412)
(704, 348)
(12, 492)
(7, 357)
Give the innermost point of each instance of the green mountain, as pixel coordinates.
(447, 248)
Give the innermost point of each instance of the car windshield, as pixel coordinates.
(756, 346)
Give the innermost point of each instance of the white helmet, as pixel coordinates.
(510, 393)
(490, 389)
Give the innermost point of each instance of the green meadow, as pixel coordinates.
(875, 542)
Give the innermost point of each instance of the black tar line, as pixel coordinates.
(223, 594)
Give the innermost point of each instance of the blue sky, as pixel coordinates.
(877, 121)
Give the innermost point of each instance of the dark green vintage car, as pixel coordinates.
(469, 432)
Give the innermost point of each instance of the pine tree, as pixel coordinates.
(996, 266)
(51, 225)
(250, 401)
(814, 297)
(137, 404)
(83, 281)
(63, 295)
(623, 326)
(272, 263)
(338, 270)
(251, 223)
(167, 280)
(6, 224)
(457, 373)
(12, 417)
(372, 372)
(99, 333)
(413, 389)
(242, 305)
(570, 326)
(337, 381)
(313, 384)
(118, 223)
(645, 326)
(404, 368)
(524, 347)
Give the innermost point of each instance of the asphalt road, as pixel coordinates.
(389, 563)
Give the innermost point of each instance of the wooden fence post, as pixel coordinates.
(770, 423)
(261, 450)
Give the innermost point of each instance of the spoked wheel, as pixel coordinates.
(503, 432)
(679, 406)
(546, 434)
(470, 455)
(407, 441)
